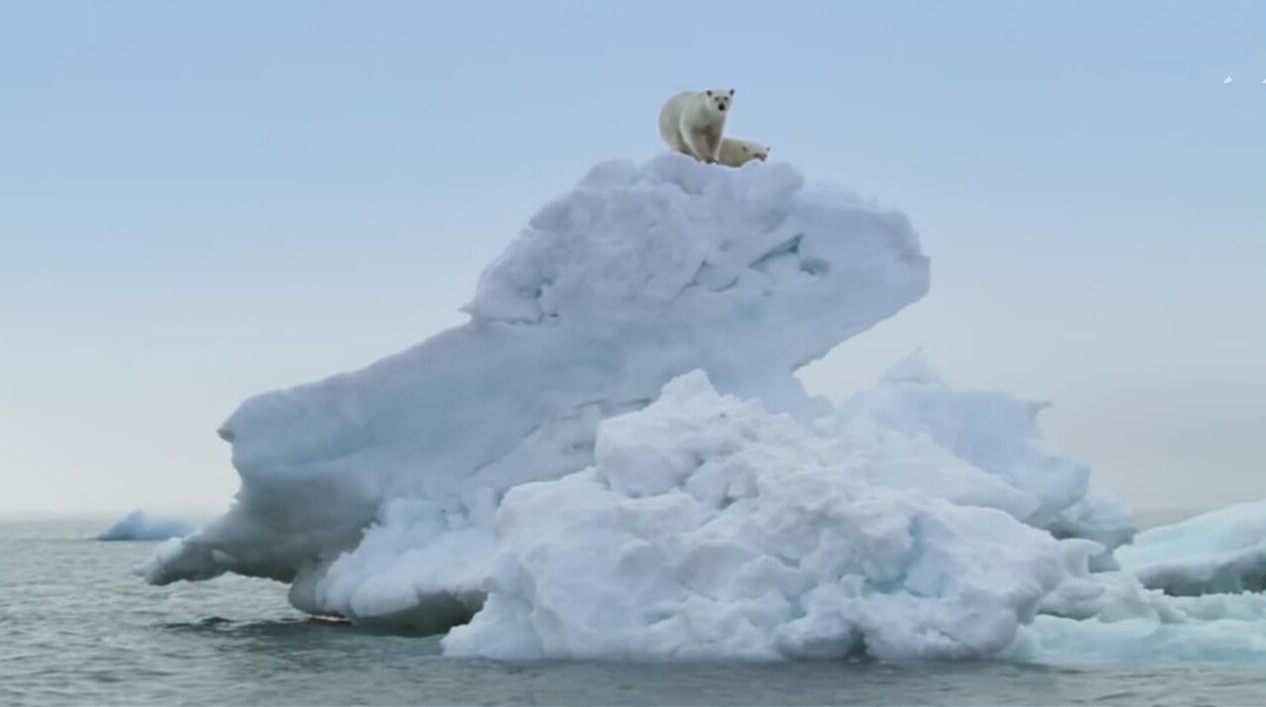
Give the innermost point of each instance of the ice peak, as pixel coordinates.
(674, 232)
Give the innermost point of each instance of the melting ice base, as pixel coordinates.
(731, 515)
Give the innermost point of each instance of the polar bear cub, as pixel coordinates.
(693, 121)
(736, 153)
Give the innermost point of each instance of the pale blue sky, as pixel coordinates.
(201, 201)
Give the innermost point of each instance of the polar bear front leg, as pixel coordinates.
(675, 142)
(698, 144)
(712, 143)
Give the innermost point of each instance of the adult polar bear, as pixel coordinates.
(693, 122)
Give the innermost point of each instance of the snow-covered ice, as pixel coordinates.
(613, 459)
(139, 525)
(1219, 551)
(710, 528)
(373, 492)
(979, 447)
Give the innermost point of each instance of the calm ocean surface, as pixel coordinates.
(76, 627)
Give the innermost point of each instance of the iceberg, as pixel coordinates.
(373, 492)
(613, 459)
(139, 525)
(1219, 551)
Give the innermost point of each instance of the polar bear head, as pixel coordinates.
(719, 99)
(736, 153)
(754, 150)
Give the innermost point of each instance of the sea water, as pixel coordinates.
(77, 627)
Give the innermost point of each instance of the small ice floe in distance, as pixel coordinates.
(139, 525)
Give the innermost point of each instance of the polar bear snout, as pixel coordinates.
(720, 99)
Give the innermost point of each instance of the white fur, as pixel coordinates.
(736, 153)
(693, 122)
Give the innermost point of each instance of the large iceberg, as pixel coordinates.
(613, 459)
(373, 492)
(1112, 616)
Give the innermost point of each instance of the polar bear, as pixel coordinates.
(736, 153)
(693, 121)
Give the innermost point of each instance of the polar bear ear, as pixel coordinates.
(709, 92)
(731, 92)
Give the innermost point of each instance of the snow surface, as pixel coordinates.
(613, 459)
(139, 525)
(1220, 551)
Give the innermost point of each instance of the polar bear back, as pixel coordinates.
(670, 119)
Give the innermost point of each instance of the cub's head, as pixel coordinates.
(719, 100)
(755, 151)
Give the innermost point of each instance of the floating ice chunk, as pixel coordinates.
(139, 525)
(711, 529)
(1227, 81)
(1110, 616)
(1220, 551)
(1056, 640)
